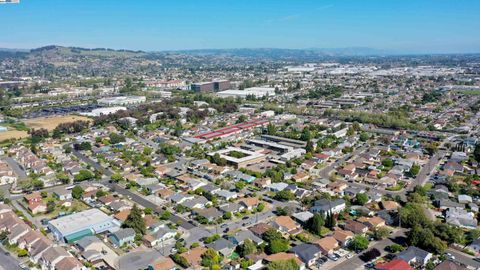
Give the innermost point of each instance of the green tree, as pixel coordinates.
(210, 258)
(247, 248)
(476, 152)
(180, 260)
(271, 129)
(309, 147)
(63, 177)
(415, 169)
(116, 138)
(283, 265)
(242, 118)
(387, 163)
(50, 206)
(394, 248)
(423, 237)
(271, 235)
(330, 221)
(116, 177)
(135, 221)
(361, 198)
(278, 245)
(364, 136)
(227, 215)
(306, 135)
(381, 233)
(165, 215)
(358, 242)
(84, 175)
(284, 195)
(316, 223)
(77, 192)
(413, 214)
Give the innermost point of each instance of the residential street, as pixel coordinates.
(7, 261)
(135, 197)
(464, 258)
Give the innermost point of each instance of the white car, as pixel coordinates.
(349, 256)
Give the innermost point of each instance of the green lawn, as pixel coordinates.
(468, 92)
(398, 187)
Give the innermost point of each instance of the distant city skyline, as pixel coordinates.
(408, 26)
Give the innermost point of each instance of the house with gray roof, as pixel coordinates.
(231, 207)
(415, 256)
(122, 237)
(197, 202)
(325, 205)
(226, 195)
(223, 246)
(240, 237)
(308, 253)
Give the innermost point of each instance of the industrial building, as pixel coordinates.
(122, 100)
(76, 226)
(104, 111)
(285, 141)
(258, 92)
(233, 129)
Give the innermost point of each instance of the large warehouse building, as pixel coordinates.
(122, 100)
(76, 226)
(258, 92)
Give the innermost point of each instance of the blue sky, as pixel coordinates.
(400, 25)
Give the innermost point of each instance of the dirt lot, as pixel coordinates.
(52, 122)
(12, 134)
(48, 123)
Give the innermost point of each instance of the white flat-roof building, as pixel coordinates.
(258, 92)
(76, 226)
(122, 100)
(104, 111)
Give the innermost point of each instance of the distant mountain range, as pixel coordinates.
(353, 51)
(242, 52)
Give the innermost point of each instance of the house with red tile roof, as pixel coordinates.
(396, 264)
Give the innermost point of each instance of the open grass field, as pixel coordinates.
(469, 92)
(51, 123)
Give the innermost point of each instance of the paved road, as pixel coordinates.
(149, 142)
(26, 213)
(7, 262)
(134, 196)
(427, 169)
(464, 258)
(15, 167)
(92, 163)
(243, 223)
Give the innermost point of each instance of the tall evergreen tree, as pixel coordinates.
(316, 223)
(135, 221)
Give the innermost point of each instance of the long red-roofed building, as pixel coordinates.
(227, 131)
